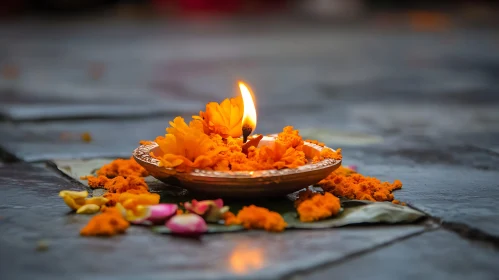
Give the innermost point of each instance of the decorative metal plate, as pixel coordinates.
(241, 183)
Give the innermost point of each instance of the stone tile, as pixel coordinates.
(32, 212)
(61, 140)
(75, 109)
(455, 193)
(170, 71)
(432, 255)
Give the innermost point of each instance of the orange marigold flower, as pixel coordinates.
(347, 183)
(109, 222)
(122, 167)
(328, 153)
(112, 198)
(224, 119)
(289, 138)
(285, 152)
(186, 146)
(319, 207)
(119, 184)
(253, 217)
(96, 182)
(230, 218)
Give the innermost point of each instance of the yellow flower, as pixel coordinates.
(224, 119)
(186, 146)
(74, 199)
(88, 209)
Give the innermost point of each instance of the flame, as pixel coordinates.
(249, 115)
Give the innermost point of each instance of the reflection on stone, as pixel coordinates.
(244, 259)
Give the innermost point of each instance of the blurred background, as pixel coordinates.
(381, 67)
(425, 10)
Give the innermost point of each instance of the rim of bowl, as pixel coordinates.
(142, 154)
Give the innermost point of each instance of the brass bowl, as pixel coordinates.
(241, 184)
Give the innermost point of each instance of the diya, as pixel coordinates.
(243, 184)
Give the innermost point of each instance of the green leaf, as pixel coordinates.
(212, 228)
(77, 168)
(371, 212)
(355, 211)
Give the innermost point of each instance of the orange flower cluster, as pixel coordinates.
(122, 167)
(328, 153)
(212, 141)
(124, 182)
(347, 183)
(121, 189)
(253, 217)
(108, 223)
(313, 207)
(285, 152)
(186, 147)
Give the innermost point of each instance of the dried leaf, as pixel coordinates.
(376, 212)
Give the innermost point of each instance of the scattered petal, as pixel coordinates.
(71, 202)
(161, 212)
(152, 214)
(109, 223)
(86, 137)
(73, 199)
(121, 209)
(138, 215)
(253, 217)
(122, 167)
(74, 194)
(42, 245)
(319, 207)
(98, 200)
(88, 209)
(210, 210)
(187, 224)
(347, 183)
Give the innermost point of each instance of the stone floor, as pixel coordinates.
(419, 107)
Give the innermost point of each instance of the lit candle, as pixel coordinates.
(249, 115)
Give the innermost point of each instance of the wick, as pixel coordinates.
(246, 132)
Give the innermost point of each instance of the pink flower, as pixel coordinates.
(187, 225)
(152, 214)
(210, 210)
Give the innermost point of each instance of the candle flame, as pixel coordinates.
(249, 115)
